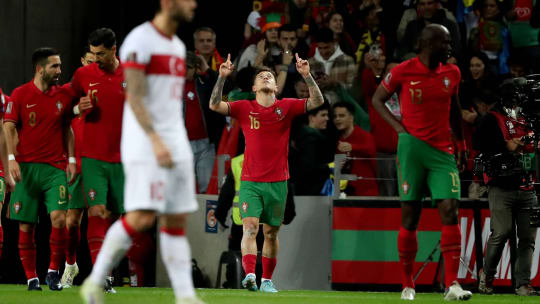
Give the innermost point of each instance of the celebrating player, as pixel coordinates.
(40, 110)
(155, 152)
(266, 124)
(101, 86)
(430, 117)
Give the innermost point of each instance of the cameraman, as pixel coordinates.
(511, 194)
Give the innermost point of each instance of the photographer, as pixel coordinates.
(500, 139)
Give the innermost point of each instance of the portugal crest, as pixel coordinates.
(92, 194)
(59, 106)
(446, 83)
(405, 187)
(279, 113)
(17, 206)
(244, 207)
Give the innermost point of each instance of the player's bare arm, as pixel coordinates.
(69, 139)
(456, 123)
(136, 91)
(11, 139)
(316, 98)
(216, 100)
(4, 156)
(379, 98)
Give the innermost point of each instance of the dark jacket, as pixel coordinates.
(213, 121)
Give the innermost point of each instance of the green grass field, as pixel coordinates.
(17, 294)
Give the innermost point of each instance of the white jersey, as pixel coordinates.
(163, 60)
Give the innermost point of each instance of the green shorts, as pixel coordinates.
(76, 198)
(40, 183)
(265, 201)
(103, 184)
(2, 191)
(421, 167)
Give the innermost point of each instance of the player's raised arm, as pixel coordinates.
(315, 96)
(216, 100)
(136, 90)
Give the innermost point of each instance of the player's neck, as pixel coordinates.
(425, 58)
(165, 24)
(265, 99)
(347, 132)
(40, 84)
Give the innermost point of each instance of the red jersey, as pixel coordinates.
(77, 125)
(4, 99)
(266, 130)
(102, 123)
(40, 118)
(363, 146)
(425, 99)
(194, 116)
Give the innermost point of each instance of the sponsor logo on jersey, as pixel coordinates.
(244, 207)
(413, 83)
(17, 206)
(91, 84)
(92, 194)
(30, 106)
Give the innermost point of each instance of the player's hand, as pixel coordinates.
(15, 171)
(302, 66)
(10, 183)
(461, 160)
(71, 173)
(226, 68)
(162, 153)
(85, 102)
(344, 147)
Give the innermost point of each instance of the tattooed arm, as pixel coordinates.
(136, 92)
(315, 96)
(216, 100)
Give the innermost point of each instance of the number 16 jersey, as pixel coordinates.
(266, 130)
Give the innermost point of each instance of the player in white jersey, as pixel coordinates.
(156, 154)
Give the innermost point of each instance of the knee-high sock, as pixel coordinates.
(407, 248)
(72, 242)
(268, 264)
(451, 251)
(249, 261)
(138, 254)
(176, 255)
(27, 252)
(97, 228)
(57, 244)
(116, 244)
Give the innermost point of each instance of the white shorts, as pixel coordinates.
(151, 187)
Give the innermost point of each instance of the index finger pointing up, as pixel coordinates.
(229, 57)
(298, 59)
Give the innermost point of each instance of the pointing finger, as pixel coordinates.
(229, 57)
(297, 57)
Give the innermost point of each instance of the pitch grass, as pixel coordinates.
(17, 294)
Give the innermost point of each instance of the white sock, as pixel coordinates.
(176, 256)
(52, 270)
(117, 242)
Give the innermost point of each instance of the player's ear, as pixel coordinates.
(253, 88)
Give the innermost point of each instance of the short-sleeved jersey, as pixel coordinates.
(4, 99)
(266, 130)
(102, 123)
(425, 98)
(40, 118)
(162, 58)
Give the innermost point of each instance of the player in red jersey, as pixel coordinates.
(266, 123)
(430, 118)
(6, 183)
(40, 110)
(101, 88)
(76, 201)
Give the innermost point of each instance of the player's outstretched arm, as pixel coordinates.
(316, 98)
(136, 91)
(216, 100)
(379, 98)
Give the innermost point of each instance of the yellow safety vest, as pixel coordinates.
(236, 167)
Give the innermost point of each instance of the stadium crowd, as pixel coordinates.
(351, 46)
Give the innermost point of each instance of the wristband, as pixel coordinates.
(461, 145)
(72, 160)
(76, 110)
(11, 157)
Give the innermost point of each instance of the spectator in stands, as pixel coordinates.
(301, 89)
(315, 150)
(205, 45)
(524, 37)
(372, 39)
(491, 34)
(384, 135)
(478, 76)
(517, 67)
(204, 127)
(356, 143)
(334, 21)
(412, 14)
(429, 11)
(331, 67)
(283, 64)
